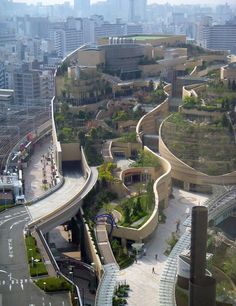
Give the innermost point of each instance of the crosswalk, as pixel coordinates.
(14, 283)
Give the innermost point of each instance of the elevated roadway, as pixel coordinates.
(64, 203)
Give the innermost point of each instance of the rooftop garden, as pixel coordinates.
(151, 95)
(207, 147)
(220, 104)
(136, 210)
(146, 159)
(88, 87)
(129, 137)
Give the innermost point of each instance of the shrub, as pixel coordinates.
(53, 284)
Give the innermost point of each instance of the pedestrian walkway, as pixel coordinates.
(47, 261)
(143, 282)
(40, 175)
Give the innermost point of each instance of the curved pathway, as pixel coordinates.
(143, 283)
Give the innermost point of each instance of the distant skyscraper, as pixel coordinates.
(82, 7)
(137, 10)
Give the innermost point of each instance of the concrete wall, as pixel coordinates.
(150, 122)
(91, 57)
(71, 152)
(151, 70)
(93, 255)
(127, 148)
(161, 188)
(187, 174)
(228, 72)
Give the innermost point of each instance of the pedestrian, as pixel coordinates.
(156, 256)
(153, 270)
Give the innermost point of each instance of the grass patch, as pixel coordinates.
(123, 259)
(136, 208)
(36, 265)
(181, 296)
(54, 284)
(4, 207)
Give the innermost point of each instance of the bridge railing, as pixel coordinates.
(55, 265)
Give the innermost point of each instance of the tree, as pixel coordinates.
(82, 138)
(94, 134)
(151, 85)
(233, 85)
(126, 211)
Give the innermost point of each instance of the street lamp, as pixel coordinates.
(44, 286)
(72, 278)
(77, 300)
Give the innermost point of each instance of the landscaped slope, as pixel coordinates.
(209, 148)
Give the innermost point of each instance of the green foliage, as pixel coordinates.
(129, 137)
(207, 147)
(36, 267)
(181, 296)
(94, 157)
(146, 159)
(123, 259)
(136, 208)
(62, 69)
(54, 284)
(82, 138)
(229, 267)
(121, 116)
(105, 172)
(171, 243)
(146, 61)
(95, 200)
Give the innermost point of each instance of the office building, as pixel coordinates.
(219, 37)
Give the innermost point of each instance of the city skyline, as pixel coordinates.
(172, 2)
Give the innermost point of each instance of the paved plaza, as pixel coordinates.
(143, 282)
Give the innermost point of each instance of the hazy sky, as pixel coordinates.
(203, 2)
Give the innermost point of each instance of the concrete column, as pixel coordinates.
(186, 186)
(123, 242)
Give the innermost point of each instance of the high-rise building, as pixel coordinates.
(82, 8)
(26, 85)
(137, 10)
(219, 37)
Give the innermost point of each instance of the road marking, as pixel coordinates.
(18, 222)
(26, 280)
(10, 287)
(12, 282)
(10, 248)
(3, 282)
(3, 271)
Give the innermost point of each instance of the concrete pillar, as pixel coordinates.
(186, 186)
(123, 242)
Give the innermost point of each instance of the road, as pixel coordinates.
(16, 287)
(74, 182)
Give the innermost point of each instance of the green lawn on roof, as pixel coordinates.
(146, 37)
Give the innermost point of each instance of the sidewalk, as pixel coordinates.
(39, 169)
(143, 282)
(48, 264)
